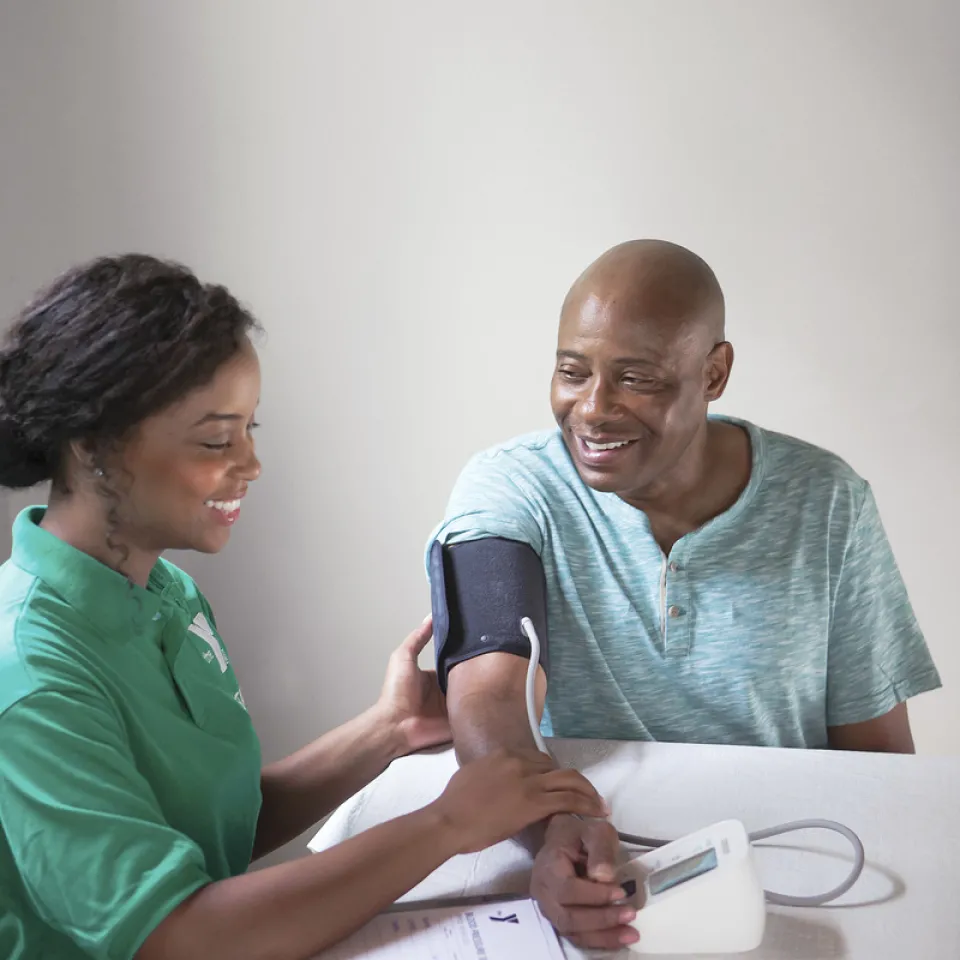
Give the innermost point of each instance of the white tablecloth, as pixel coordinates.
(905, 809)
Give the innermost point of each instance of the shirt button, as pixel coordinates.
(674, 567)
(674, 612)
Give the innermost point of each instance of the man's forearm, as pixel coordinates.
(301, 789)
(485, 722)
(486, 703)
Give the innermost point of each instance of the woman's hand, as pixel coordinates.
(411, 699)
(494, 798)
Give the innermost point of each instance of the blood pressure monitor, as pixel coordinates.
(699, 894)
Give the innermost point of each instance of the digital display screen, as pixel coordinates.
(681, 872)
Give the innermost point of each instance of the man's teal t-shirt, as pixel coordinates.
(129, 768)
(781, 617)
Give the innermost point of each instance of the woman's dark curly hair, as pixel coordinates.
(107, 345)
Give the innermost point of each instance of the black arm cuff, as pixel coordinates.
(480, 591)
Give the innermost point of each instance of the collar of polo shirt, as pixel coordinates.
(113, 605)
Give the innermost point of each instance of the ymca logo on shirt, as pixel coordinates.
(201, 628)
(204, 631)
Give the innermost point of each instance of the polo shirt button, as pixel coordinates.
(674, 612)
(674, 567)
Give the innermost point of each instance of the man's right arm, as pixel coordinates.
(574, 870)
(575, 867)
(486, 702)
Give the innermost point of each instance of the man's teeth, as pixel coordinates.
(605, 446)
(227, 506)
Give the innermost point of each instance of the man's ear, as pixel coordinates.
(716, 371)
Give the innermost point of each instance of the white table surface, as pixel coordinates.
(905, 810)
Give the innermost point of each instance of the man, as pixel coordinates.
(700, 579)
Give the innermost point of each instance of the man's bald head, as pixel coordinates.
(641, 355)
(653, 281)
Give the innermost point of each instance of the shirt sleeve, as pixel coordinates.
(877, 654)
(489, 499)
(96, 858)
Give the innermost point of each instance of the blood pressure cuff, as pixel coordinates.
(480, 591)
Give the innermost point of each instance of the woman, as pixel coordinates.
(132, 798)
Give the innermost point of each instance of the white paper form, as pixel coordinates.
(498, 930)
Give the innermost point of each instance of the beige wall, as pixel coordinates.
(403, 192)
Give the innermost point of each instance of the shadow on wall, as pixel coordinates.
(5, 522)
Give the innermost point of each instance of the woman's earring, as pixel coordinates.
(98, 472)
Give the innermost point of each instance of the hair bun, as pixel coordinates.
(21, 466)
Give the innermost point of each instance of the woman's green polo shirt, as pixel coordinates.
(129, 768)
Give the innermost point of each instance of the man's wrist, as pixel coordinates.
(559, 824)
(536, 835)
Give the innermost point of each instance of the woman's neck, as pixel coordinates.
(86, 527)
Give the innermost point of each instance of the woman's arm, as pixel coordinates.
(292, 911)
(303, 788)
